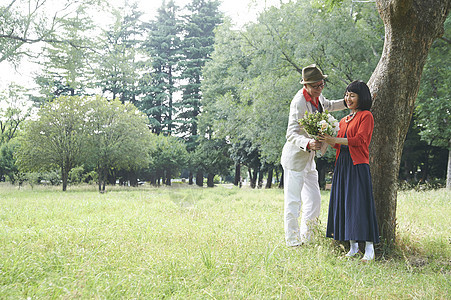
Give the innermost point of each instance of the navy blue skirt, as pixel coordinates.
(352, 213)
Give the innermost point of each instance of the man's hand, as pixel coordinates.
(315, 145)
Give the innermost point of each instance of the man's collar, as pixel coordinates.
(309, 98)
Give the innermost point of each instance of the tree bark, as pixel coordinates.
(425, 167)
(410, 28)
(168, 177)
(190, 178)
(237, 174)
(281, 178)
(100, 175)
(199, 178)
(210, 180)
(260, 179)
(64, 176)
(448, 174)
(253, 178)
(269, 179)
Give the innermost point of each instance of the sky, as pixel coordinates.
(240, 11)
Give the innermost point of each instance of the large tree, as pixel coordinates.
(117, 69)
(211, 157)
(410, 28)
(66, 68)
(159, 85)
(200, 23)
(168, 156)
(56, 138)
(118, 137)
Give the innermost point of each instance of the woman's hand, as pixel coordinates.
(327, 138)
(332, 140)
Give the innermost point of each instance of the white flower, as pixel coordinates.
(324, 125)
(331, 119)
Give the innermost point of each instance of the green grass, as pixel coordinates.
(199, 243)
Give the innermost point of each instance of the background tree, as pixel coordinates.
(118, 72)
(14, 109)
(118, 137)
(211, 157)
(162, 46)
(22, 23)
(202, 18)
(168, 156)
(56, 139)
(8, 166)
(413, 155)
(66, 68)
(432, 112)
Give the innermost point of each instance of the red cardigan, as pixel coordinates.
(358, 132)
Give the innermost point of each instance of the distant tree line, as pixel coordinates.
(188, 93)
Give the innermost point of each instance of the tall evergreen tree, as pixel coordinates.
(159, 84)
(201, 21)
(117, 67)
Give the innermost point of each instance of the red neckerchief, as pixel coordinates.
(310, 99)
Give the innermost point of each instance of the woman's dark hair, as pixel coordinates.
(360, 88)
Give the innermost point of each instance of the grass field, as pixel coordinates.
(200, 243)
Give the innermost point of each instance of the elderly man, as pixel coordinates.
(301, 185)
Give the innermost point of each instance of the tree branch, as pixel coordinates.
(42, 39)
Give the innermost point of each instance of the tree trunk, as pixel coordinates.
(99, 173)
(153, 180)
(425, 167)
(448, 174)
(210, 180)
(410, 28)
(199, 179)
(253, 178)
(112, 177)
(132, 177)
(190, 178)
(105, 178)
(168, 178)
(237, 179)
(260, 179)
(269, 179)
(281, 179)
(64, 175)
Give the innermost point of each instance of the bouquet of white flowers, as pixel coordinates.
(319, 123)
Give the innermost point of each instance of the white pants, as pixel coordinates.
(301, 188)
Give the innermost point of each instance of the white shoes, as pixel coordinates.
(368, 257)
(369, 251)
(352, 254)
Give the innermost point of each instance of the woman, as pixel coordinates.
(352, 214)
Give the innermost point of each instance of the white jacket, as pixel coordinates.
(295, 154)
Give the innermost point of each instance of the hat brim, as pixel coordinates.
(313, 81)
